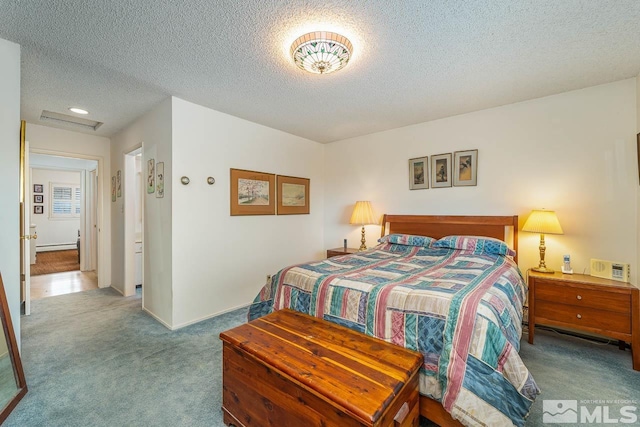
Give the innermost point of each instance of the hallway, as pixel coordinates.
(48, 285)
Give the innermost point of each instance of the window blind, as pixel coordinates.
(65, 200)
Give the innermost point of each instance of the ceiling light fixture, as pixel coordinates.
(69, 120)
(78, 110)
(321, 52)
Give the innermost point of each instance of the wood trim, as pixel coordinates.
(635, 328)
(438, 226)
(434, 411)
(341, 251)
(7, 326)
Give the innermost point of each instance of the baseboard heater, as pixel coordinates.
(594, 338)
(56, 247)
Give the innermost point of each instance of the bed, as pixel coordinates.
(447, 286)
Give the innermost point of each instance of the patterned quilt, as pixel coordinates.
(461, 309)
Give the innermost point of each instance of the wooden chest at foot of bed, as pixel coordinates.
(291, 369)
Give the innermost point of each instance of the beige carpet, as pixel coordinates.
(55, 262)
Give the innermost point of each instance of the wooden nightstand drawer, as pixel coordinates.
(590, 304)
(580, 297)
(583, 317)
(340, 252)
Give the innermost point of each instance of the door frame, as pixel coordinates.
(129, 180)
(100, 239)
(25, 226)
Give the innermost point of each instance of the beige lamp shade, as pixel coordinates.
(543, 222)
(363, 214)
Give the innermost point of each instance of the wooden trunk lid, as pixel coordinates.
(322, 357)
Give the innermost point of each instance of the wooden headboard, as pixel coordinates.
(504, 228)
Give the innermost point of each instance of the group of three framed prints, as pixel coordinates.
(459, 169)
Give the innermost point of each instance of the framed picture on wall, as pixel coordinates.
(419, 173)
(119, 183)
(465, 168)
(638, 153)
(160, 180)
(37, 188)
(293, 195)
(441, 170)
(151, 176)
(39, 209)
(38, 198)
(252, 193)
(113, 188)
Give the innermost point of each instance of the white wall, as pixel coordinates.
(573, 152)
(220, 261)
(46, 140)
(153, 130)
(53, 232)
(10, 177)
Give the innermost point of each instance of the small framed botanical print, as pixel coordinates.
(160, 180)
(465, 168)
(38, 198)
(151, 176)
(119, 183)
(441, 170)
(38, 209)
(37, 188)
(638, 152)
(419, 173)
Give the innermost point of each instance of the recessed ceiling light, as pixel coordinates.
(321, 52)
(78, 110)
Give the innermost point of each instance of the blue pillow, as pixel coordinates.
(475, 244)
(407, 240)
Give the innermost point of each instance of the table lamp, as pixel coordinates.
(543, 222)
(362, 215)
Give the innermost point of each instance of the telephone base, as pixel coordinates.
(570, 271)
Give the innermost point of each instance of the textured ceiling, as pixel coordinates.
(414, 60)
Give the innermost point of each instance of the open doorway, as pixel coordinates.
(64, 198)
(133, 222)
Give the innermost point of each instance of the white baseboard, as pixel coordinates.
(115, 289)
(150, 313)
(220, 313)
(57, 247)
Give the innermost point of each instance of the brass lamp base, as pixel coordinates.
(542, 266)
(363, 246)
(543, 270)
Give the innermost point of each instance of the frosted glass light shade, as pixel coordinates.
(543, 222)
(321, 52)
(78, 110)
(362, 214)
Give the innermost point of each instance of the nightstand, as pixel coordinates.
(340, 251)
(586, 303)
